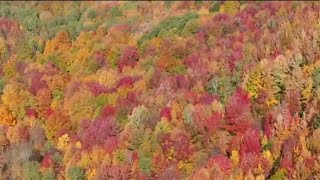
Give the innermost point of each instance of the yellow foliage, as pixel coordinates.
(6, 118)
(260, 177)
(254, 83)
(55, 104)
(91, 174)
(13, 133)
(308, 70)
(9, 68)
(171, 153)
(113, 55)
(139, 86)
(186, 167)
(80, 106)
(231, 7)
(156, 42)
(217, 106)
(313, 143)
(235, 158)
(16, 99)
(264, 140)
(267, 155)
(84, 39)
(84, 160)
(272, 101)
(63, 142)
(3, 48)
(78, 145)
(81, 56)
(162, 127)
(307, 90)
(176, 112)
(109, 77)
(61, 42)
(123, 91)
(202, 174)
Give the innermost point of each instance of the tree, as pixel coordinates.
(76, 173)
(6, 116)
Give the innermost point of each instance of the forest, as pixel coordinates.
(151, 90)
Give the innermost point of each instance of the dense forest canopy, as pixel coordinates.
(159, 90)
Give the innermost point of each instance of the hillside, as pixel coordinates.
(159, 90)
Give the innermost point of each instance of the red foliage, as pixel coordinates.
(129, 57)
(114, 172)
(49, 112)
(20, 66)
(100, 58)
(31, 113)
(287, 151)
(249, 161)
(36, 82)
(183, 82)
(238, 111)
(47, 161)
(208, 98)
(180, 143)
(268, 125)
(108, 111)
(166, 112)
(111, 144)
(214, 121)
(223, 162)
(101, 132)
(96, 89)
(126, 81)
(251, 142)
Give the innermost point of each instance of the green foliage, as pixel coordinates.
(168, 4)
(139, 115)
(31, 170)
(26, 51)
(76, 173)
(92, 13)
(131, 5)
(121, 155)
(149, 63)
(268, 146)
(316, 122)
(177, 23)
(279, 175)
(316, 77)
(101, 100)
(74, 15)
(190, 28)
(29, 18)
(57, 61)
(2, 85)
(178, 69)
(145, 164)
(57, 94)
(221, 85)
(115, 12)
(5, 10)
(122, 117)
(48, 146)
(215, 7)
(49, 175)
(57, 158)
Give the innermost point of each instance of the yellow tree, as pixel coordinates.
(6, 118)
(62, 42)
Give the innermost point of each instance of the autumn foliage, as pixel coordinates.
(159, 90)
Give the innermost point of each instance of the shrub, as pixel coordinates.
(31, 170)
(76, 173)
